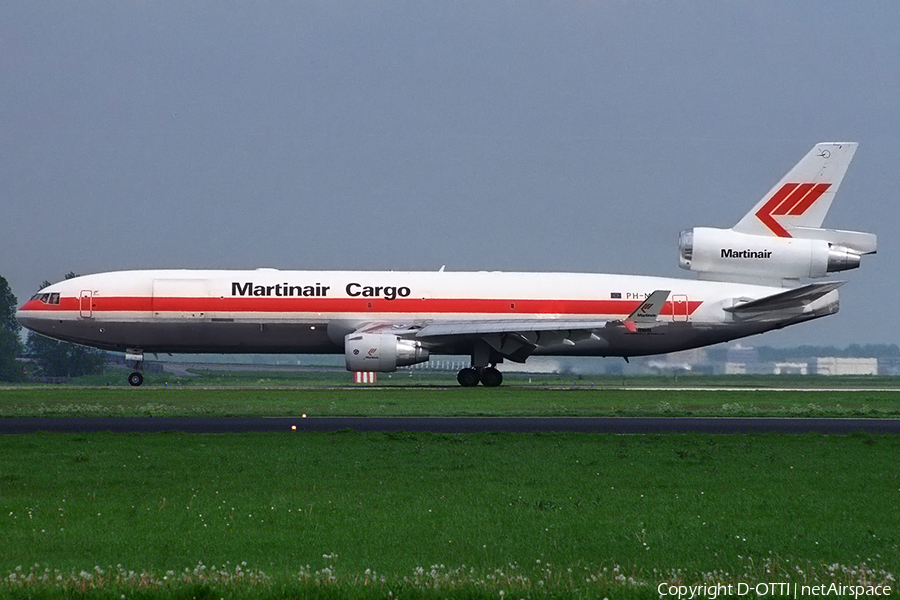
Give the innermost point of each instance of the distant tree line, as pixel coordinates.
(10, 343)
(53, 358)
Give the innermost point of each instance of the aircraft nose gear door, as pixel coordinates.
(85, 304)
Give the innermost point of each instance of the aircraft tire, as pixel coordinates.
(135, 379)
(491, 377)
(468, 377)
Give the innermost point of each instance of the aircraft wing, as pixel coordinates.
(646, 312)
(452, 328)
(791, 299)
(515, 340)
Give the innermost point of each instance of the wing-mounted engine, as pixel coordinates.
(381, 352)
(725, 252)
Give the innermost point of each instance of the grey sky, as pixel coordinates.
(576, 136)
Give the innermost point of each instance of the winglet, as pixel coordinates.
(648, 310)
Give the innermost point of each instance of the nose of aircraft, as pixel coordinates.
(21, 317)
(31, 319)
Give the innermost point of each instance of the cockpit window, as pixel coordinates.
(47, 298)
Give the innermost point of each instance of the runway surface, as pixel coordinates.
(624, 425)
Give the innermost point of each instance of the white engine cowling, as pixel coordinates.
(381, 352)
(709, 250)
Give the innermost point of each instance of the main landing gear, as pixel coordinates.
(483, 369)
(487, 376)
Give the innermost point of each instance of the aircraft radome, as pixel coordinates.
(750, 280)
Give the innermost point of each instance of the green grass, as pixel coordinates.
(423, 515)
(352, 515)
(218, 375)
(29, 401)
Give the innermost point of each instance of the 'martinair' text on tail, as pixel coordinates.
(781, 239)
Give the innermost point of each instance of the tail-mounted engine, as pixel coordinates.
(727, 252)
(382, 352)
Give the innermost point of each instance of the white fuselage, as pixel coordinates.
(273, 311)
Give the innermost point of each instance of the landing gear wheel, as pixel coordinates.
(467, 377)
(491, 377)
(135, 379)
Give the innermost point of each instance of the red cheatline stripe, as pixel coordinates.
(792, 200)
(212, 306)
(809, 199)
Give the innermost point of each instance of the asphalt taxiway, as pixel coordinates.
(621, 425)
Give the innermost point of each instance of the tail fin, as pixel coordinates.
(802, 198)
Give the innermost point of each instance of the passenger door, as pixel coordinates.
(680, 310)
(86, 304)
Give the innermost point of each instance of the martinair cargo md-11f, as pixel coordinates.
(749, 282)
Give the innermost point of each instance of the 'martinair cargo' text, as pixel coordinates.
(286, 290)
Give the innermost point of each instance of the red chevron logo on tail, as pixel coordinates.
(792, 200)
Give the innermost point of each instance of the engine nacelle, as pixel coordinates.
(382, 352)
(709, 250)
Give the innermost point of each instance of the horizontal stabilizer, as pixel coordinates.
(790, 299)
(857, 241)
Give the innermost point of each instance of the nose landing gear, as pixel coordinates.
(137, 358)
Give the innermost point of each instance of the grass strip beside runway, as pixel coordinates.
(62, 401)
(424, 515)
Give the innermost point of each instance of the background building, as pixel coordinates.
(836, 365)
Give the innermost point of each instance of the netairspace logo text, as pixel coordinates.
(783, 589)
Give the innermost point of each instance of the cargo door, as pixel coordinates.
(180, 298)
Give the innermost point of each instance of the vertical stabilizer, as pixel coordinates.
(803, 196)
